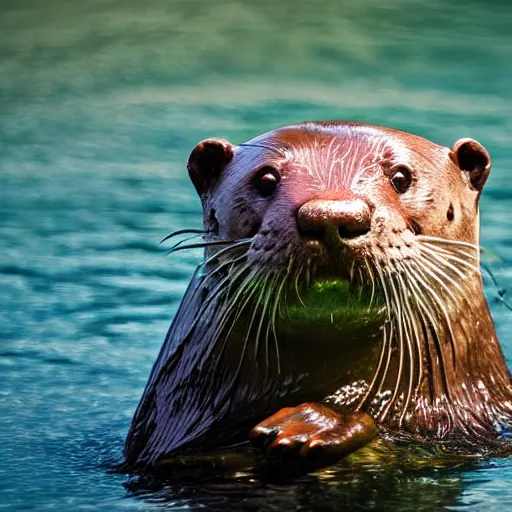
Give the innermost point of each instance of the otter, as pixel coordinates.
(340, 294)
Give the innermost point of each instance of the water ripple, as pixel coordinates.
(100, 106)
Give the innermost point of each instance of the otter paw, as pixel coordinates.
(312, 435)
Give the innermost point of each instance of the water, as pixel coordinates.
(100, 105)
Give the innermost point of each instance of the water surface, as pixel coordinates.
(100, 105)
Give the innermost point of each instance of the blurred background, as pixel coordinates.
(101, 101)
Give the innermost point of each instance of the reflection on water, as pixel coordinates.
(365, 489)
(100, 103)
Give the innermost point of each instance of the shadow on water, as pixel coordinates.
(354, 484)
(344, 490)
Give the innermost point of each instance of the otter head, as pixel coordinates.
(329, 196)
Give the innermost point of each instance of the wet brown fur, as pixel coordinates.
(208, 388)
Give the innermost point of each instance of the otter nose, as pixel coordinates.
(345, 218)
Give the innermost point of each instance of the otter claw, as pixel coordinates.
(261, 436)
(312, 435)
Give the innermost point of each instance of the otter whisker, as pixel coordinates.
(242, 289)
(432, 336)
(221, 289)
(384, 348)
(290, 272)
(297, 276)
(360, 287)
(453, 250)
(500, 292)
(387, 299)
(383, 352)
(205, 262)
(388, 332)
(390, 325)
(416, 325)
(184, 232)
(228, 280)
(269, 284)
(441, 306)
(372, 280)
(402, 297)
(432, 323)
(436, 274)
(251, 279)
(239, 243)
(258, 285)
(447, 241)
(218, 270)
(184, 241)
(209, 243)
(451, 244)
(445, 260)
(214, 294)
(267, 334)
(232, 303)
(452, 255)
(276, 309)
(411, 320)
(259, 303)
(436, 270)
(241, 308)
(273, 316)
(424, 326)
(401, 351)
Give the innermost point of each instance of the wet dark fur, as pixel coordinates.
(431, 368)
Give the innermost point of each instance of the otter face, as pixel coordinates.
(333, 196)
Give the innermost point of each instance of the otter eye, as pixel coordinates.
(401, 178)
(266, 181)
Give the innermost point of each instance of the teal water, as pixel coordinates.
(100, 105)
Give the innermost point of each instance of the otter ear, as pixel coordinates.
(207, 161)
(472, 158)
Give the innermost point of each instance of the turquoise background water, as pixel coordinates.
(100, 105)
